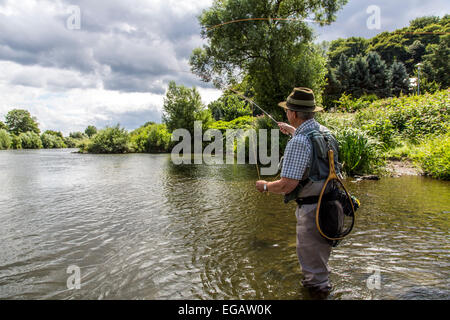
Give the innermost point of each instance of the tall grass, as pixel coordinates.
(358, 153)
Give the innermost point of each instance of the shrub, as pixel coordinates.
(358, 152)
(30, 140)
(433, 156)
(5, 139)
(50, 141)
(70, 142)
(110, 140)
(151, 138)
(411, 118)
(16, 142)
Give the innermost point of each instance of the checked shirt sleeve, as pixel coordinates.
(296, 158)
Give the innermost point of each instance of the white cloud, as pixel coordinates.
(117, 66)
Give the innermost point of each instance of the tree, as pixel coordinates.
(343, 73)
(20, 121)
(350, 47)
(110, 140)
(54, 133)
(3, 126)
(379, 76)
(182, 107)
(90, 131)
(77, 135)
(437, 62)
(229, 107)
(151, 138)
(30, 140)
(359, 77)
(399, 78)
(5, 139)
(52, 141)
(276, 55)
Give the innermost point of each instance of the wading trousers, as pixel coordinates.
(313, 250)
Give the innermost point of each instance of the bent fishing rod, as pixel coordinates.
(251, 101)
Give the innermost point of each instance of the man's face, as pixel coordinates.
(290, 116)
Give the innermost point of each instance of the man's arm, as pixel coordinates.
(282, 186)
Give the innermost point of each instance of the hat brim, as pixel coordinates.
(284, 106)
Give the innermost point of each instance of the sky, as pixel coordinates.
(79, 63)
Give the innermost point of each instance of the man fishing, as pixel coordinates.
(304, 170)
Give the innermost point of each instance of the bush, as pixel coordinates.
(70, 142)
(16, 142)
(30, 140)
(110, 140)
(50, 141)
(433, 156)
(358, 152)
(5, 140)
(347, 104)
(151, 138)
(411, 118)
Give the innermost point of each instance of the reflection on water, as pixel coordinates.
(141, 228)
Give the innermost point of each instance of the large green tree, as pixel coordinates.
(437, 62)
(182, 107)
(350, 47)
(379, 75)
(399, 78)
(20, 121)
(90, 131)
(275, 54)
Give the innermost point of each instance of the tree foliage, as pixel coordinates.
(90, 131)
(182, 107)
(110, 140)
(5, 140)
(20, 121)
(275, 55)
(229, 107)
(151, 138)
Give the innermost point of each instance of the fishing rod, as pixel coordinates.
(249, 100)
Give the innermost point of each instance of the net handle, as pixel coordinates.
(333, 176)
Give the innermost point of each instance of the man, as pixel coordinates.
(305, 168)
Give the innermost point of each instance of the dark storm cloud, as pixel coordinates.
(130, 45)
(138, 46)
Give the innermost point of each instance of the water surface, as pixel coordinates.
(139, 227)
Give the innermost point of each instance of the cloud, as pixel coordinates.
(352, 19)
(117, 66)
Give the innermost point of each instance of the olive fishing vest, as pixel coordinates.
(318, 170)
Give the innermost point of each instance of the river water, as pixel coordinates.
(139, 227)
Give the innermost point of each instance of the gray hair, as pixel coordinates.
(305, 115)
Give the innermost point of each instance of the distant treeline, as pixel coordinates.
(383, 65)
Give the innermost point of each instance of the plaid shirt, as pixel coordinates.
(297, 156)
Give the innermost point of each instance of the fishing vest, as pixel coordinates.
(318, 170)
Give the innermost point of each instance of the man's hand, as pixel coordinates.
(260, 185)
(286, 129)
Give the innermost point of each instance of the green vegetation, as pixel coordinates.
(152, 138)
(30, 140)
(358, 152)
(273, 56)
(377, 115)
(90, 131)
(20, 121)
(384, 64)
(414, 128)
(109, 140)
(5, 140)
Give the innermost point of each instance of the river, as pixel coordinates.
(138, 227)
